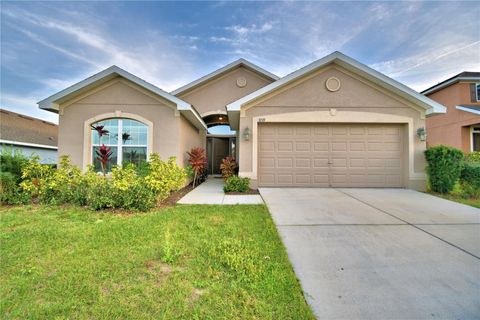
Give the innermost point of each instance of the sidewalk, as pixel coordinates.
(211, 192)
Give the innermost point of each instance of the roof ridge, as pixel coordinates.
(226, 68)
(445, 83)
(26, 116)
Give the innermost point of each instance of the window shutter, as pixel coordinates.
(473, 92)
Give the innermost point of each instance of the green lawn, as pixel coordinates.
(474, 202)
(184, 262)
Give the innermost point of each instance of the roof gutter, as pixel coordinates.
(430, 106)
(448, 83)
(52, 103)
(27, 144)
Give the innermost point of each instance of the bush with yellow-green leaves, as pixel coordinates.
(126, 187)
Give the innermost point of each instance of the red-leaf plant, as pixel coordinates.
(100, 131)
(228, 167)
(103, 155)
(198, 161)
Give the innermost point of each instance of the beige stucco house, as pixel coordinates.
(333, 123)
(459, 127)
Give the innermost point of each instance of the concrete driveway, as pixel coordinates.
(380, 253)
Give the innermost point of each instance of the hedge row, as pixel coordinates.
(447, 166)
(126, 187)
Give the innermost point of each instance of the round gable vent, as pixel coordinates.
(241, 82)
(333, 84)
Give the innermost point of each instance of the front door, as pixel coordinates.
(217, 149)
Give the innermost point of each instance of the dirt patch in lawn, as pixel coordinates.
(196, 293)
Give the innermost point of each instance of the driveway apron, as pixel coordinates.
(380, 253)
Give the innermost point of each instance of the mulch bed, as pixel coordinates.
(175, 196)
(251, 191)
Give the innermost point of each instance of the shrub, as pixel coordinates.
(237, 184)
(444, 165)
(165, 176)
(198, 162)
(473, 156)
(100, 193)
(228, 167)
(143, 168)
(83, 191)
(36, 177)
(129, 190)
(10, 192)
(470, 179)
(127, 187)
(13, 162)
(62, 186)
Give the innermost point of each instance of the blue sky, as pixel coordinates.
(47, 46)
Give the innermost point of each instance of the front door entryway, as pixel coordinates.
(219, 147)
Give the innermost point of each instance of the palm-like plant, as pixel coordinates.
(103, 155)
(198, 162)
(126, 137)
(101, 132)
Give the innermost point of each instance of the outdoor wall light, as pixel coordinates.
(246, 134)
(422, 134)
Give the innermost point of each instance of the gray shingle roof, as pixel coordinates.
(460, 76)
(20, 128)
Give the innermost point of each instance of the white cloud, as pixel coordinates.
(245, 30)
(155, 59)
(37, 38)
(403, 66)
(26, 105)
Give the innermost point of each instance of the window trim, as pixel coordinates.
(87, 133)
(473, 129)
(477, 86)
(120, 144)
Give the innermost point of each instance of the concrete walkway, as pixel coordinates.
(380, 253)
(211, 192)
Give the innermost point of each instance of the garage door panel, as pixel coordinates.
(267, 163)
(357, 146)
(320, 163)
(302, 146)
(266, 146)
(285, 163)
(357, 131)
(285, 131)
(339, 146)
(303, 163)
(303, 131)
(338, 155)
(266, 179)
(320, 146)
(339, 131)
(285, 146)
(283, 178)
(321, 131)
(393, 163)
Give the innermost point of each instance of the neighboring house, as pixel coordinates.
(30, 136)
(460, 126)
(335, 122)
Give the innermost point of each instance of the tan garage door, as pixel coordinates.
(335, 155)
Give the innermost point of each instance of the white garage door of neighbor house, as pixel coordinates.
(330, 155)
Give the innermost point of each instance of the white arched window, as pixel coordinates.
(126, 138)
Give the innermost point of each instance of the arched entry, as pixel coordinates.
(221, 141)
